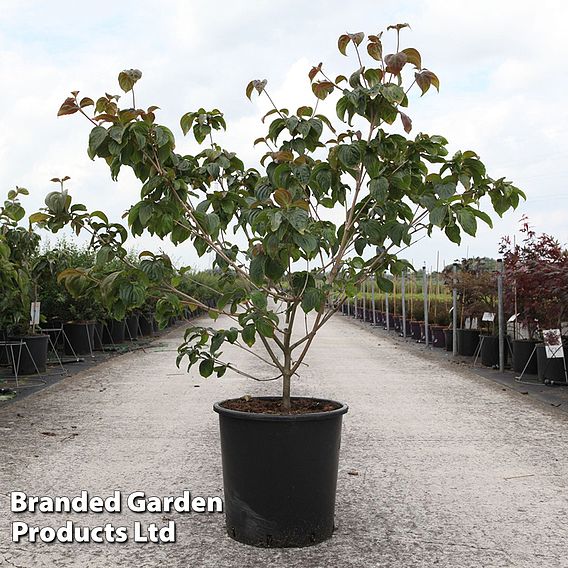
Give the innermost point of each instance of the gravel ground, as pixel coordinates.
(439, 466)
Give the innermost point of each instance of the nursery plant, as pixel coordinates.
(476, 286)
(536, 272)
(18, 247)
(333, 201)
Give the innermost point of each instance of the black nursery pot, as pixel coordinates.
(280, 475)
(438, 336)
(80, 338)
(449, 339)
(468, 339)
(132, 326)
(550, 369)
(490, 350)
(523, 352)
(34, 358)
(113, 331)
(146, 325)
(98, 336)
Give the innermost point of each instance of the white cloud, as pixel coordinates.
(502, 85)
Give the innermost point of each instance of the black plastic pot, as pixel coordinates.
(415, 330)
(468, 340)
(550, 369)
(56, 336)
(113, 331)
(490, 350)
(146, 325)
(34, 358)
(438, 336)
(522, 352)
(131, 331)
(280, 475)
(98, 336)
(80, 338)
(449, 338)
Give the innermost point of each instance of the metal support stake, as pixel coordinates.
(364, 287)
(373, 300)
(403, 301)
(387, 310)
(455, 312)
(501, 316)
(425, 293)
(355, 305)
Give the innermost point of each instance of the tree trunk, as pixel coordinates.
(286, 403)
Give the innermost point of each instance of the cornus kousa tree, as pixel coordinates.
(296, 258)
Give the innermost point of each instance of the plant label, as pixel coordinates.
(35, 313)
(553, 343)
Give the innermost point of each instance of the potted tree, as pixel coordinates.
(18, 246)
(78, 315)
(280, 453)
(536, 270)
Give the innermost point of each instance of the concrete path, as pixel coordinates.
(453, 471)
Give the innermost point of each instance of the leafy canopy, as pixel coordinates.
(273, 227)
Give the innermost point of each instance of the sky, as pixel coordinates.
(502, 89)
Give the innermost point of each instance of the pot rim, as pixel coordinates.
(314, 416)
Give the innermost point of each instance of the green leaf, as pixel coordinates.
(306, 242)
(378, 188)
(392, 93)
(258, 299)
(265, 327)
(483, 216)
(453, 233)
(299, 219)
(383, 283)
(445, 190)
(97, 136)
(206, 367)
(313, 299)
(256, 269)
(249, 334)
(127, 79)
(341, 107)
(467, 221)
(349, 155)
(273, 269)
(438, 215)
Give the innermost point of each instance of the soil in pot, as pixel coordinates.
(34, 358)
(550, 369)
(523, 353)
(80, 338)
(280, 470)
(468, 340)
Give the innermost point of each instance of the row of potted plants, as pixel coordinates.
(79, 311)
(536, 292)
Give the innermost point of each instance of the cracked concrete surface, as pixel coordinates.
(451, 470)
